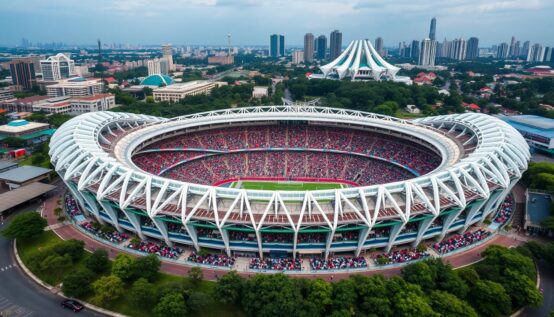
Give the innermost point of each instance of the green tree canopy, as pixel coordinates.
(25, 226)
(98, 262)
(107, 289)
(229, 288)
(142, 293)
(147, 267)
(124, 267)
(171, 305)
(78, 283)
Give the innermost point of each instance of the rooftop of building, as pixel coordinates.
(180, 87)
(22, 194)
(157, 80)
(23, 174)
(7, 164)
(538, 207)
(20, 126)
(76, 82)
(31, 99)
(532, 124)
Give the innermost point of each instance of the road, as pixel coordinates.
(21, 297)
(547, 286)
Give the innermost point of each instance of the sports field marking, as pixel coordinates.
(259, 185)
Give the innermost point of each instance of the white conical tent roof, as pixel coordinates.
(360, 60)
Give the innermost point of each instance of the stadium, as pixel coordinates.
(294, 179)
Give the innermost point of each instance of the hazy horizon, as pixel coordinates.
(207, 22)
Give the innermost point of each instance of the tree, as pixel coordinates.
(196, 301)
(373, 296)
(271, 295)
(448, 305)
(25, 226)
(344, 295)
(78, 283)
(74, 248)
(147, 267)
(107, 289)
(229, 287)
(196, 275)
(421, 274)
(490, 299)
(318, 297)
(142, 293)
(521, 289)
(124, 267)
(56, 265)
(98, 262)
(171, 305)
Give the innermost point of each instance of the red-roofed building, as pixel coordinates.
(110, 80)
(423, 78)
(472, 107)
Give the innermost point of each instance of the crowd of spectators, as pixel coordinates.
(241, 236)
(401, 256)
(156, 248)
(104, 232)
(275, 264)
(208, 168)
(338, 263)
(212, 259)
(505, 210)
(459, 241)
(72, 207)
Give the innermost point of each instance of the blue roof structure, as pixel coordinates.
(538, 207)
(18, 123)
(157, 80)
(531, 124)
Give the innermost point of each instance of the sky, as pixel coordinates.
(250, 22)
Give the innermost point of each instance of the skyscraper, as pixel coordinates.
(525, 49)
(335, 44)
(548, 54)
(277, 45)
(502, 51)
(23, 73)
(308, 47)
(460, 48)
(517, 49)
(379, 46)
(472, 48)
(433, 29)
(427, 53)
(168, 55)
(321, 46)
(415, 50)
(511, 51)
(536, 53)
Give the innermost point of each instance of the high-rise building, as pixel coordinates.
(297, 57)
(433, 29)
(502, 51)
(415, 50)
(335, 44)
(511, 51)
(460, 49)
(276, 45)
(22, 71)
(380, 46)
(517, 49)
(57, 67)
(427, 53)
(525, 49)
(308, 47)
(536, 53)
(321, 46)
(548, 54)
(472, 48)
(168, 55)
(157, 66)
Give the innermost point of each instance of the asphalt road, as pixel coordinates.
(20, 296)
(547, 286)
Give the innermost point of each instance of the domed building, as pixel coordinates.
(157, 80)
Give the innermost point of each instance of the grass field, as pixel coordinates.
(286, 185)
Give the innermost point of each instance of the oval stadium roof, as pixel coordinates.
(157, 80)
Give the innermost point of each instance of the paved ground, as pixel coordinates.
(21, 297)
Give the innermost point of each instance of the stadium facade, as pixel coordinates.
(480, 159)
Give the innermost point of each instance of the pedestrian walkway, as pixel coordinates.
(9, 309)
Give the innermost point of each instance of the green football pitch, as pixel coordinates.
(285, 185)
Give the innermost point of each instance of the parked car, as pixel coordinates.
(73, 305)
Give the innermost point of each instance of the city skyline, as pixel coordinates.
(208, 21)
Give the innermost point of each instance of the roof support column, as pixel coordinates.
(422, 228)
(134, 219)
(112, 213)
(361, 239)
(448, 221)
(162, 227)
(474, 209)
(394, 232)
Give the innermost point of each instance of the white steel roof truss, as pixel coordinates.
(389, 197)
(269, 205)
(230, 209)
(356, 210)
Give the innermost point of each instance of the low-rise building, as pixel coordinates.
(75, 87)
(22, 105)
(6, 94)
(76, 105)
(221, 60)
(32, 132)
(176, 92)
(260, 92)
